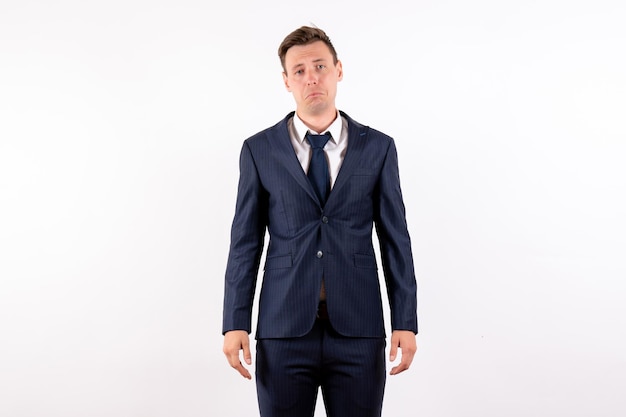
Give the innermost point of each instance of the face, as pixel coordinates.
(312, 77)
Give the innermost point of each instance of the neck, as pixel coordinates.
(319, 122)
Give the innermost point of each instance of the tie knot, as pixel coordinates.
(318, 141)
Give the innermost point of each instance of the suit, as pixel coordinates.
(309, 243)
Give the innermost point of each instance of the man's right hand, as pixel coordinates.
(234, 341)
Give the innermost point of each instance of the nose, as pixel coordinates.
(312, 79)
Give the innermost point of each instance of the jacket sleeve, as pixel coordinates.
(395, 245)
(246, 246)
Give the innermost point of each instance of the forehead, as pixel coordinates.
(312, 52)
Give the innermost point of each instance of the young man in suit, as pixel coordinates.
(319, 182)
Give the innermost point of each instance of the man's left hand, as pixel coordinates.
(405, 340)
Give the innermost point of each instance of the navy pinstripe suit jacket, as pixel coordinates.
(308, 242)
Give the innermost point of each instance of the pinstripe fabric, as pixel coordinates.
(350, 371)
(308, 241)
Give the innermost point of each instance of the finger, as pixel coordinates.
(233, 360)
(394, 348)
(243, 371)
(247, 356)
(405, 363)
(397, 369)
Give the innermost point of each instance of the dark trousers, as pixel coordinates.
(350, 372)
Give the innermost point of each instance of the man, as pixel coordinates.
(318, 194)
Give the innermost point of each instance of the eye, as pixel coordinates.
(299, 72)
(321, 66)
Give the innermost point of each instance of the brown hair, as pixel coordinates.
(304, 36)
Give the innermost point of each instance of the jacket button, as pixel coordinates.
(324, 219)
(320, 254)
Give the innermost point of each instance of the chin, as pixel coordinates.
(317, 108)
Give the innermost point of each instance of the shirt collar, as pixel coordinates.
(334, 128)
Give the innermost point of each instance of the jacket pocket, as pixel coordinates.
(276, 262)
(365, 261)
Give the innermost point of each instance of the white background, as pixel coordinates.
(120, 129)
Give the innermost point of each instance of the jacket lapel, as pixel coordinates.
(287, 155)
(357, 134)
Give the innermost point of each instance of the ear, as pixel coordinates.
(286, 81)
(339, 68)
